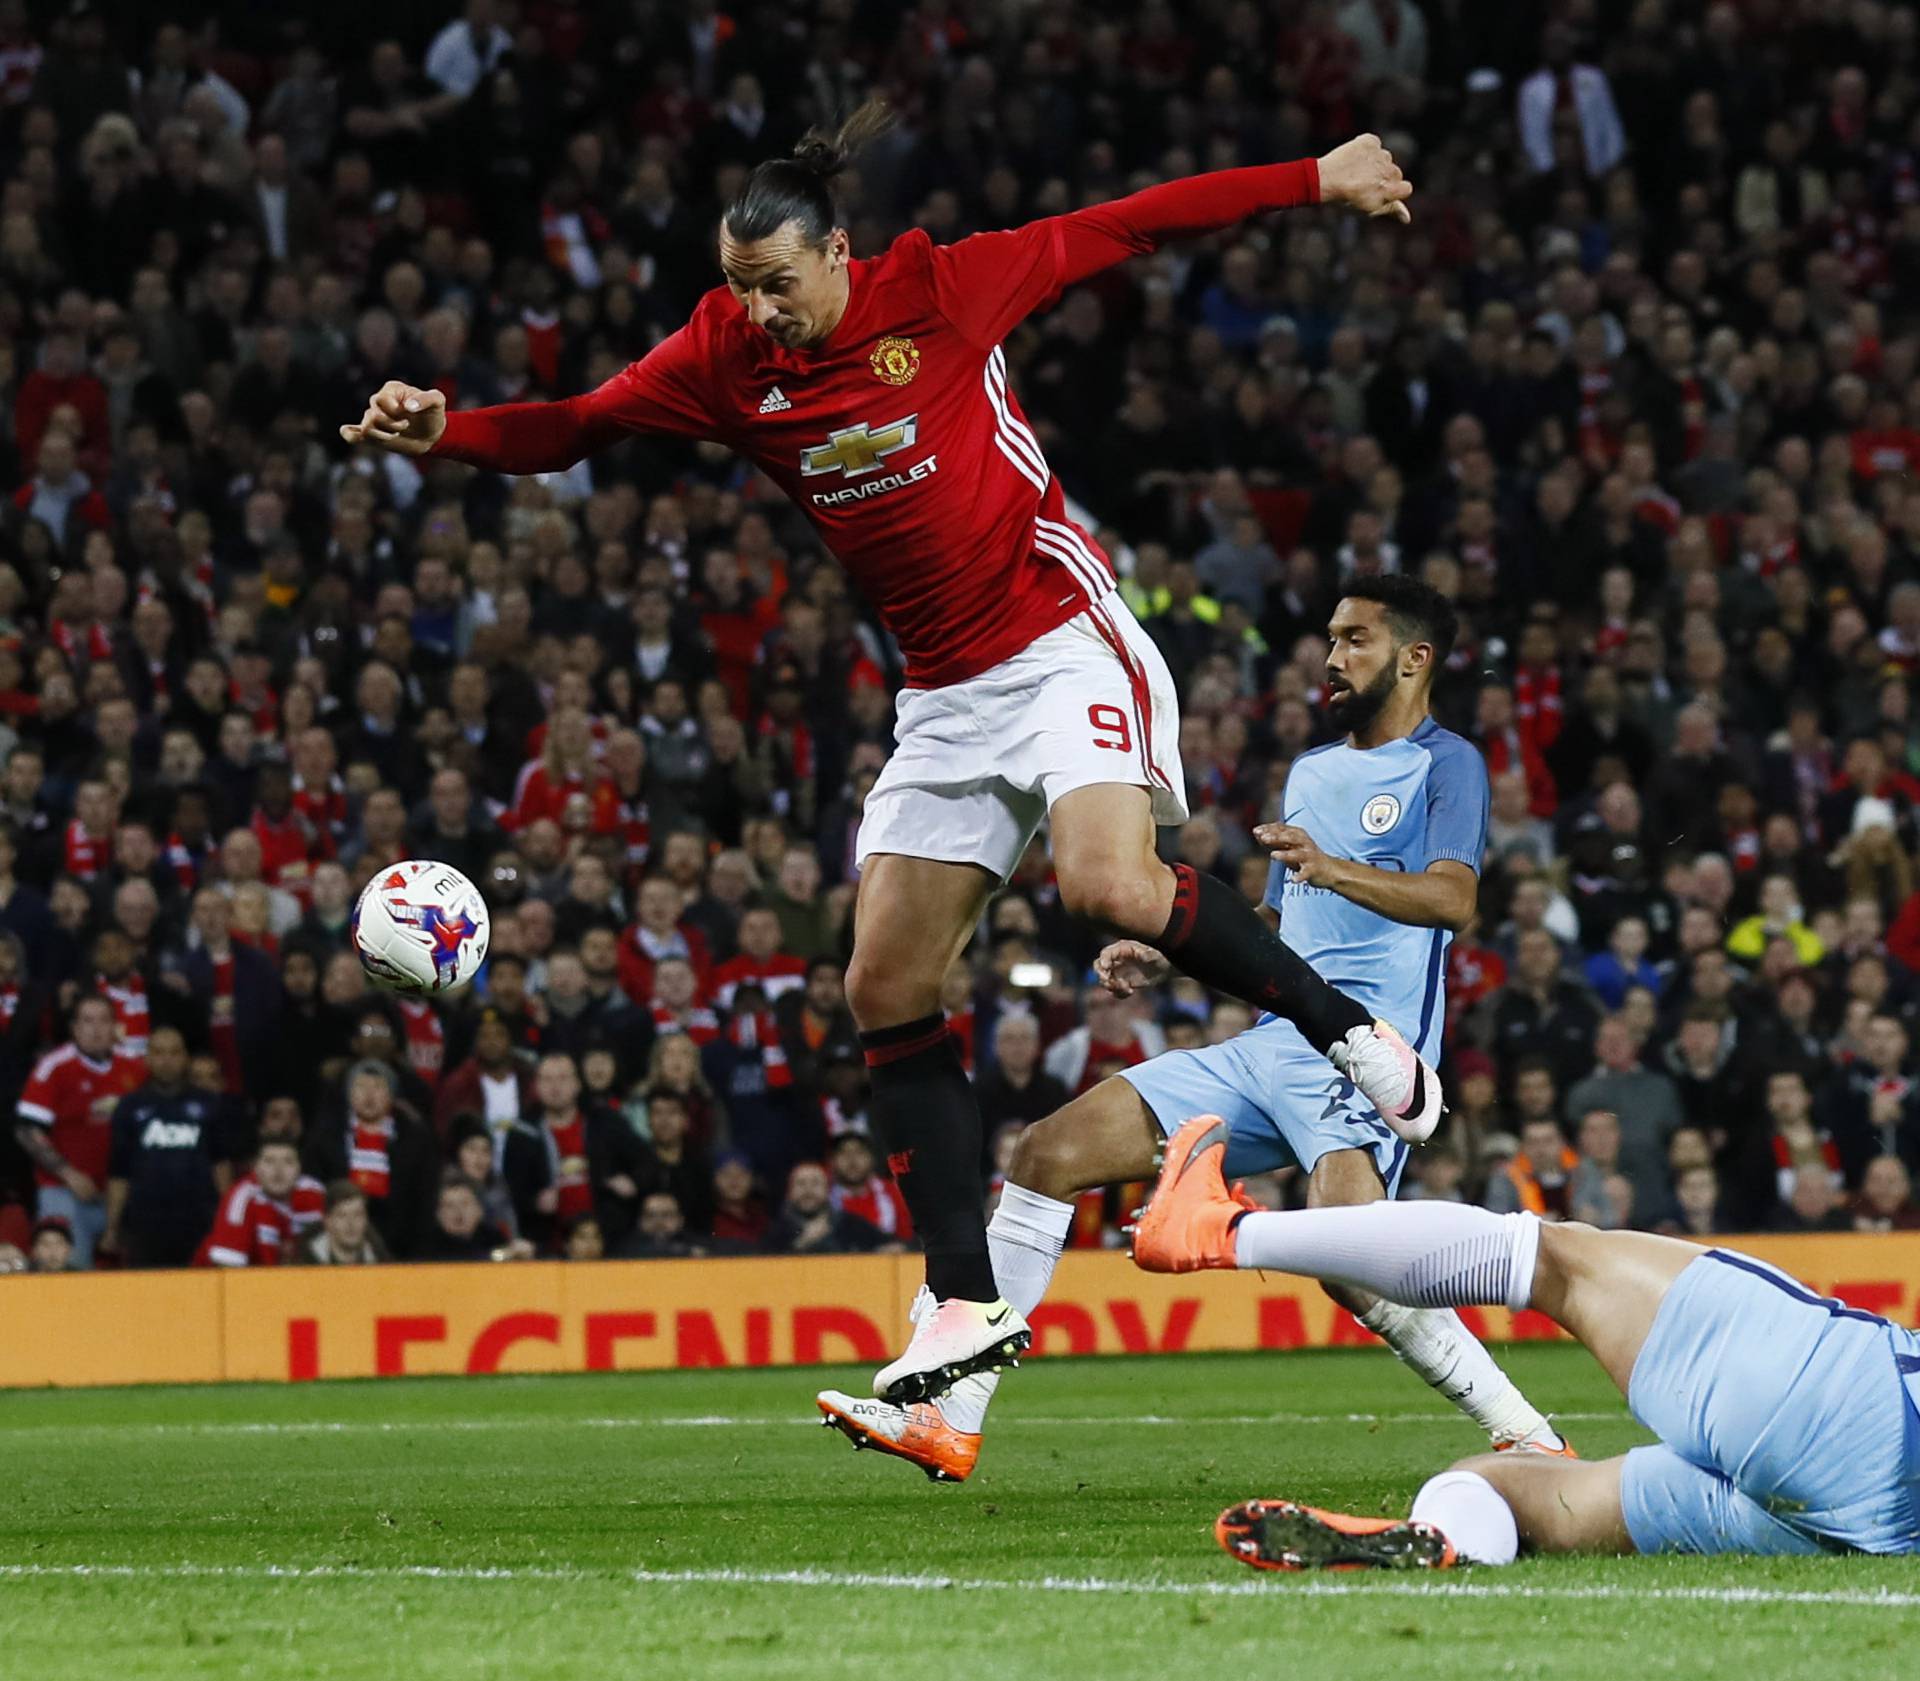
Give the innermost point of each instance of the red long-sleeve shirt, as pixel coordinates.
(898, 436)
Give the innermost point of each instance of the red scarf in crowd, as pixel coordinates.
(129, 1000)
(702, 1026)
(86, 854)
(183, 863)
(97, 644)
(760, 1030)
(222, 1031)
(426, 1039)
(370, 1158)
(1536, 704)
(567, 1157)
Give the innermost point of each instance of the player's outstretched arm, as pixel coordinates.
(986, 284)
(661, 393)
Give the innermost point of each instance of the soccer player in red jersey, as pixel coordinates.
(874, 392)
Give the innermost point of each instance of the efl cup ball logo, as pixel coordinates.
(1380, 814)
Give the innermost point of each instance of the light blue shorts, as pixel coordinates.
(1786, 1421)
(1286, 1104)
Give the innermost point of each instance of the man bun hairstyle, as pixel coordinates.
(795, 189)
(1418, 611)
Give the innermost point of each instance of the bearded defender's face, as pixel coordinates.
(1362, 664)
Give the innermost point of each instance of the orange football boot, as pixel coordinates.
(918, 1433)
(1280, 1535)
(1189, 1219)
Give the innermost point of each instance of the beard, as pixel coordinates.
(1354, 709)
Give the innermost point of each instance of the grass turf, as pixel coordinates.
(687, 1525)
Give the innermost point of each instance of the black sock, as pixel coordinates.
(929, 1124)
(1219, 939)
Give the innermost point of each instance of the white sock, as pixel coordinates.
(1024, 1239)
(1472, 1514)
(1450, 1358)
(1421, 1254)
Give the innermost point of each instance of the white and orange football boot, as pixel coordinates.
(1390, 1074)
(918, 1433)
(1280, 1535)
(952, 1339)
(1188, 1222)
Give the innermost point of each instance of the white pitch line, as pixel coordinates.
(714, 1421)
(1871, 1599)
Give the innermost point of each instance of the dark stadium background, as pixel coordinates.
(1638, 387)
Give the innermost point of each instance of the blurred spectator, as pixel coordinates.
(1015, 1087)
(1885, 1202)
(65, 1122)
(1539, 1177)
(809, 1224)
(493, 1083)
(1648, 1108)
(1600, 1194)
(740, 1219)
(667, 1161)
(1540, 1014)
(169, 1163)
(266, 1212)
(859, 1190)
(53, 1248)
(460, 1231)
(659, 1233)
(345, 1236)
(388, 1151)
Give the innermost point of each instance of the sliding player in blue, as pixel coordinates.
(1787, 1423)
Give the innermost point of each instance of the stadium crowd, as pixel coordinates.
(1639, 388)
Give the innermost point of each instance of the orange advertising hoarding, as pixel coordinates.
(298, 1324)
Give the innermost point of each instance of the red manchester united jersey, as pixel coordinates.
(898, 435)
(73, 1097)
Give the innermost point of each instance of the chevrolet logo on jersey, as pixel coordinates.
(854, 450)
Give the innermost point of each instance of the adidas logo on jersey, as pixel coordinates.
(774, 401)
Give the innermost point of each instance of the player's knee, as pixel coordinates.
(1046, 1160)
(882, 993)
(1115, 894)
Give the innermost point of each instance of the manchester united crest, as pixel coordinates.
(896, 361)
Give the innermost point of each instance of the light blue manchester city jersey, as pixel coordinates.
(1403, 806)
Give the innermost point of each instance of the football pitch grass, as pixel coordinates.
(697, 1525)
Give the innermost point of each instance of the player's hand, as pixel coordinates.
(1362, 174)
(1128, 965)
(1299, 852)
(401, 417)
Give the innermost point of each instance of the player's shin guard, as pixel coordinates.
(929, 1125)
(1421, 1254)
(1219, 939)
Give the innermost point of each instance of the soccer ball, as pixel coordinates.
(420, 926)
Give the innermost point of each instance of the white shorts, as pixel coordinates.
(980, 763)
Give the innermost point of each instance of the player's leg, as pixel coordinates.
(1109, 872)
(913, 917)
(1105, 1136)
(1433, 1343)
(1604, 1287)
